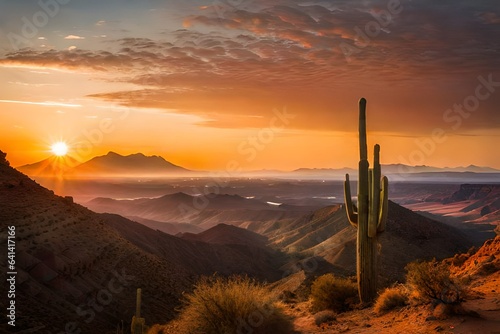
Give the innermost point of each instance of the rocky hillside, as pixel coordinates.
(78, 269)
(326, 234)
(482, 201)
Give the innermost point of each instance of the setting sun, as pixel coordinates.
(60, 149)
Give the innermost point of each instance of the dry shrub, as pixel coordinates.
(232, 305)
(432, 281)
(391, 298)
(333, 293)
(324, 316)
(156, 329)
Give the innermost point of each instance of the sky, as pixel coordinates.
(268, 84)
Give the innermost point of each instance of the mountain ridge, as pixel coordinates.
(139, 164)
(110, 164)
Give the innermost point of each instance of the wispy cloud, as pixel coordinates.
(45, 103)
(259, 56)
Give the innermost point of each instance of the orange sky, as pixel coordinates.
(270, 86)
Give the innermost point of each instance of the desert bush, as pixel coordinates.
(324, 316)
(391, 298)
(433, 282)
(156, 329)
(333, 293)
(232, 305)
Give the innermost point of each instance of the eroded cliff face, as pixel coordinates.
(481, 199)
(474, 192)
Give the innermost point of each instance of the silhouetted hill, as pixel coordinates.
(109, 165)
(51, 167)
(327, 234)
(228, 235)
(203, 211)
(114, 164)
(76, 266)
(169, 228)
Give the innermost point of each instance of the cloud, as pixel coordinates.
(259, 56)
(74, 37)
(44, 103)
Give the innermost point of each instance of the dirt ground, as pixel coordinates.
(484, 300)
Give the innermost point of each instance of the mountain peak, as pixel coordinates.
(111, 153)
(115, 164)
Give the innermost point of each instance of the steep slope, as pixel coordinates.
(326, 233)
(78, 269)
(483, 262)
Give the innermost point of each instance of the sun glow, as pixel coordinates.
(60, 148)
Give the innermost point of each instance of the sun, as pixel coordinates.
(60, 148)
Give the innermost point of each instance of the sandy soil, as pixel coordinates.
(484, 300)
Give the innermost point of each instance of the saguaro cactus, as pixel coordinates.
(371, 214)
(138, 324)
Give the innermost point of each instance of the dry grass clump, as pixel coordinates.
(391, 298)
(333, 293)
(432, 281)
(232, 305)
(325, 316)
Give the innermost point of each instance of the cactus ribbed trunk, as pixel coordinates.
(138, 324)
(138, 303)
(371, 213)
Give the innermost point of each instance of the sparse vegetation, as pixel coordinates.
(231, 305)
(391, 298)
(333, 293)
(432, 281)
(325, 316)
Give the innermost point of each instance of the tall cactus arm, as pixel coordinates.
(384, 204)
(349, 206)
(373, 219)
(363, 151)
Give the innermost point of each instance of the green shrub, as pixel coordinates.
(391, 298)
(333, 293)
(234, 305)
(432, 281)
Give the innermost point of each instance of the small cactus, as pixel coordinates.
(371, 214)
(138, 325)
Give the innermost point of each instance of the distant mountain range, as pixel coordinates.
(111, 164)
(204, 212)
(392, 169)
(116, 165)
